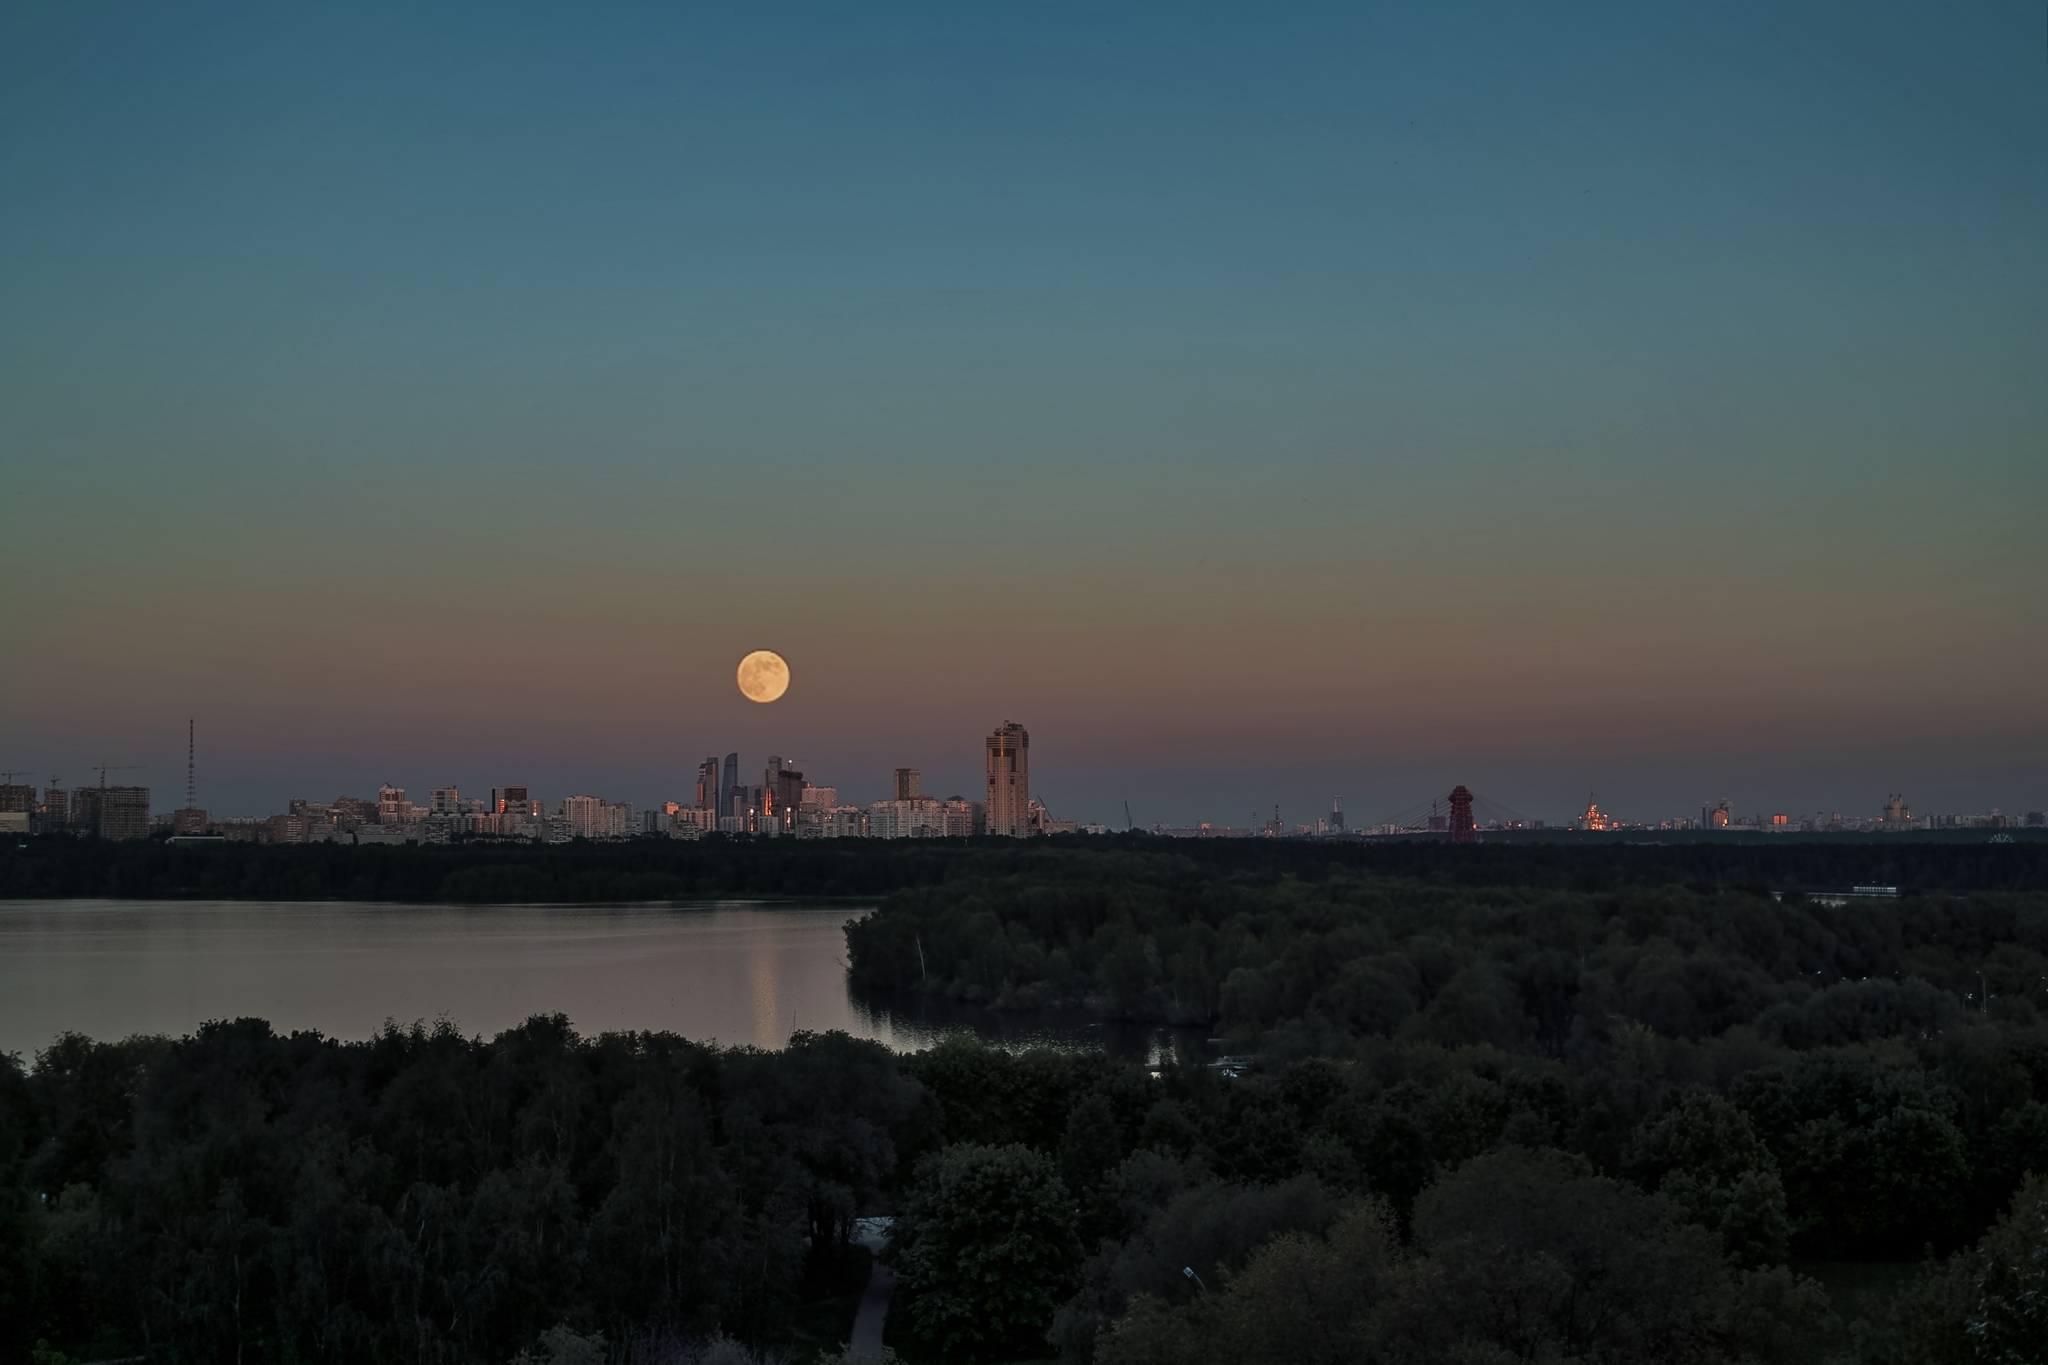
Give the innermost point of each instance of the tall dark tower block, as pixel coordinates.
(707, 784)
(784, 787)
(733, 797)
(1009, 781)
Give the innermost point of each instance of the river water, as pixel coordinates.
(733, 973)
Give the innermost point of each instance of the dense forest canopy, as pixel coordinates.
(487, 871)
(1604, 1103)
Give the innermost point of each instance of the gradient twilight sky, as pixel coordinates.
(1258, 402)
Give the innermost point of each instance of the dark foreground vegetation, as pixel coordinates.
(1605, 1104)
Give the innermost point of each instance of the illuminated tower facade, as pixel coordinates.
(782, 788)
(1009, 781)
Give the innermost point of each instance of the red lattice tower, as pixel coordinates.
(1462, 831)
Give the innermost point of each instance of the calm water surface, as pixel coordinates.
(730, 972)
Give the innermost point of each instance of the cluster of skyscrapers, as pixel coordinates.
(724, 800)
(784, 802)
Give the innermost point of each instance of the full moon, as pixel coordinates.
(763, 676)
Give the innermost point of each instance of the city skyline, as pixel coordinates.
(718, 786)
(1266, 405)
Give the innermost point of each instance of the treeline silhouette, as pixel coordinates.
(489, 871)
(1607, 1106)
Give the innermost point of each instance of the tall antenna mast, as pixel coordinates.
(191, 786)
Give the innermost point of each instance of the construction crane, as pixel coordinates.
(104, 768)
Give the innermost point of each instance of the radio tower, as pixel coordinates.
(1462, 831)
(191, 786)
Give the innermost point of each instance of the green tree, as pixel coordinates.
(1986, 1304)
(994, 1097)
(987, 1248)
(1090, 1152)
(1212, 1229)
(19, 1230)
(1530, 1254)
(828, 1105)
(1300, 1300)
(1872, 1164)
(2009, 1271)
(1704, 1155)
(1775, 1317)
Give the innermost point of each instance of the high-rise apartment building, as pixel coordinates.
(923, 818)
(834, 822)
(907, 785)
(963, 817)
(732, 796)
(708, 785)
(510, 801)
(1009, 781)
(587, 816)
(17, 798)
(926, 817)
(354, 812)
(445, 801)
(111, 812)
(687, 822)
